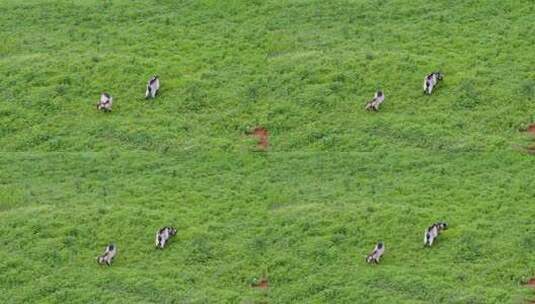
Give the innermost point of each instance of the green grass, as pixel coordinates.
(335, 180)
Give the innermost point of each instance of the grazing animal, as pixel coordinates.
(109, 254)
(376, 101)
(163, 235)
(152, 87)
(431, 81)
(432, 233)
(376, 253)
(105, 102)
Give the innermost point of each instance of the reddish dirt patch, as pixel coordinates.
(263, 137)
(531, 128)
(531, 283)
(262, 283)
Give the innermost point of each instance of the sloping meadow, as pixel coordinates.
(302, 69)
(304, 221)
(302, 213)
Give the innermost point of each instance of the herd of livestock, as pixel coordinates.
(164, 235)
(153, 86)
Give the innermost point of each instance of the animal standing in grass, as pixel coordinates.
(109, 254)
(376, 101)
(376, 254)
(163, 235)
(431, 81)
(105, 102)
(432, 233)
(152, 87)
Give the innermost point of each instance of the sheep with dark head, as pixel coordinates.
(107, 257)
(432, 232)
(153, 86)
(105, 102)
(377, 100)
(376, 254)
(431, 81)
(163, 235)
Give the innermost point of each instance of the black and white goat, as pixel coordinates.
(376, 254)
(431, 81)
(163, 235)
(376, 101)
(105, 102)
(109, 254)
(152, 87)
(432, 233)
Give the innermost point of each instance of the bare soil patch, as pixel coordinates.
(531, 283)
(263, 137)
(261, 283)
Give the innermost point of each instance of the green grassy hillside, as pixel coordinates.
(334, 180)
